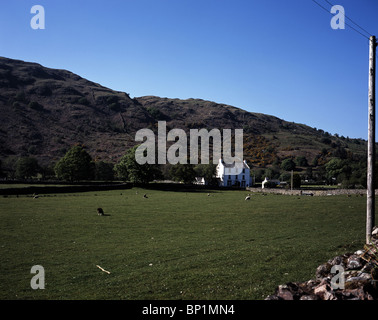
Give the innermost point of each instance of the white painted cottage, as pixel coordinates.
(228, 177)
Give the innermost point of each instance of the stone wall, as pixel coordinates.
(360, 276)
(319, 192)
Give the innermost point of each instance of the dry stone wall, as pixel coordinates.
(330, 192)
(359, 278)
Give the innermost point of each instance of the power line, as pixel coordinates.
(351, 20)
(325, 9)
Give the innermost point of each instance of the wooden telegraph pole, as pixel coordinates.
(370, 212)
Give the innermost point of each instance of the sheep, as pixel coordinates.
(247, 198)
(145, 196)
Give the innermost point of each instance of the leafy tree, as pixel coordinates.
(333, 168)
(340, 153)
(2, 174)
(315, 161)
(26, 167)
(208, 171)
(320, 174)
(104, 171)
(259, 174)
(129, 169)
(309, 173)
(183, 172)
(288, 165)
(47, 172)
(301, 161)
(296, 181)
(287, 178)
(75, 165)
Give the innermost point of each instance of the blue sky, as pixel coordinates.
(276, 57)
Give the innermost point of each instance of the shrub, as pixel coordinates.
(115, 106)
(288, 165)
(26, 167)
(75, 165)
(301, 161)
(35, 106)
(84, 101)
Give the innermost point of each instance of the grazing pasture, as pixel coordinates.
(171, 245)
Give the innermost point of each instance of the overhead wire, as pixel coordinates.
(325, 9)
(352, 20)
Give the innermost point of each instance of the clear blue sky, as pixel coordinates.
(275, 57)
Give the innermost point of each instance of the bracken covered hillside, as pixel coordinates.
(45, 111)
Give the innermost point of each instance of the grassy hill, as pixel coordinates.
(45, 111)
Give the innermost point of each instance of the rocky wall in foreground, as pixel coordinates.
(360, 277)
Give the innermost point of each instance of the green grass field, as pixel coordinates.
(173, 245)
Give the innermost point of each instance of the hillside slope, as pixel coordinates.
(45, 111)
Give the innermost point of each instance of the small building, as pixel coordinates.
(200, 181)
(267, 183)
(228, 175)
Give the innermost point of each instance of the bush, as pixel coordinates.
(326, 140)
(156, 113)
(26, 168)
(184, 173)
(129, 169)
(84, 101)
(301, 161)
(35, 106)
(288, 165)
(296, 181)
(75, 165)
(20, 96)
(104, 171)
(115, 106)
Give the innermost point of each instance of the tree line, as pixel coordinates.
(78, 165)
(348, 171)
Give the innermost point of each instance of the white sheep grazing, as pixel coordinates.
(247, 198)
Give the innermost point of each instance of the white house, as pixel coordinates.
(227, 175)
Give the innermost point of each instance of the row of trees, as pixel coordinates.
(349, 173)
(78, 165)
